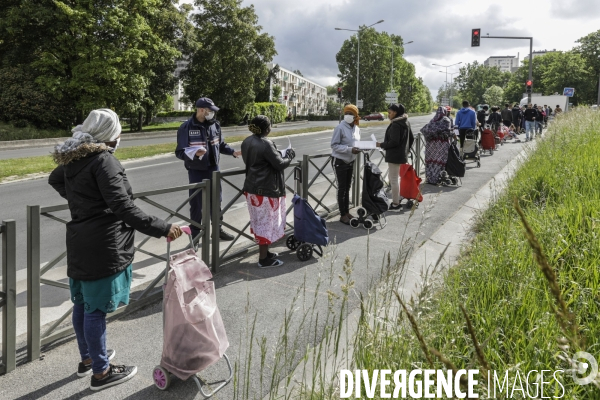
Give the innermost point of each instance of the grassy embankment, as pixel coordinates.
(529, 282)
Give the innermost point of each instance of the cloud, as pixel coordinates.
(306, 40)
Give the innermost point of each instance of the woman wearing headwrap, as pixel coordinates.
(100, 238)
(343, 154)
(437, 134)
(264, 188)
(397, 143)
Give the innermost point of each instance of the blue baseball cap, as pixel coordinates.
(205, 102)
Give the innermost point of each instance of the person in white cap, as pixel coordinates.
(100, 238)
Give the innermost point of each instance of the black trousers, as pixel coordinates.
(462, 133)
(343, 176)
(196, 203)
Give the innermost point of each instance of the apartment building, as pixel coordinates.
(178, 103)
(306, 96)
(505, 63)
(538, 53)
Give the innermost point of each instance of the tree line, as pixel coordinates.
(578, 68)
(60, 59)
(376, 73)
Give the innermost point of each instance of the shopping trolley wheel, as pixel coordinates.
(478, 164)
(304, 252)
(354, 222)
(454, 181)
(291, 242)
(361, 212)
(368, 224)
(162, 378)
(491, 152)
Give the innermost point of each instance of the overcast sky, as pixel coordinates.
(441, 30)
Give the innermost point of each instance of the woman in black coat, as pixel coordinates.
(264, 188)
(100, 238)
(397, 144)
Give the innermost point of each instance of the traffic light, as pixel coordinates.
(529, 86)
(339, 93)
(475, 37)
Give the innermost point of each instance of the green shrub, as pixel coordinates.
(275, 111)
(312, 117)
(175, 114)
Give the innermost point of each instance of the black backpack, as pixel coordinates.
(455, 166)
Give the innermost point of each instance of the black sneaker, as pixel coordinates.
(225, 236)
(86, 370)
(116, 374)
(269, 263)
(395, 208)
(272, 255)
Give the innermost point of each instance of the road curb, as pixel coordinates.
(23, 144)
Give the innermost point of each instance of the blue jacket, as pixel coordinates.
(207, 134)
(466, 119)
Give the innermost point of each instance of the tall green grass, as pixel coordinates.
(529, 282)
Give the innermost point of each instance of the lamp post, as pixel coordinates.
(447, 66)
(358, 31)
(391, 47)
(451, 83)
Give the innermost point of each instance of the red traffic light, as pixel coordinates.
(475, 33)
(529, 83)
(339, 89)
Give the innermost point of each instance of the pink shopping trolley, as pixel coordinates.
(194, 335)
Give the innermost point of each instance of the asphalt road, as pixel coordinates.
(150, 174)
(45, 150)
(246, 294)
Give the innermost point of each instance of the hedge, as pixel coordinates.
(275, 111)
(175, 114)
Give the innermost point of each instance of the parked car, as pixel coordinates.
(374, 117)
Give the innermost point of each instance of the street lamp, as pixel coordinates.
(451, 84)
(447, 66)
(358, 50)
(391, 47)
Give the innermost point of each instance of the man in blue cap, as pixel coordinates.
(202, 131)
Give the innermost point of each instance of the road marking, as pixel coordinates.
(321, 151)
(323, 138)
(152, 165)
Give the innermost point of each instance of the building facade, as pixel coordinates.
(505, 63)
(298, 94)
(538, 53)
(178, 103)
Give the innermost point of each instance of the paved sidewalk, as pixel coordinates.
(243, 292)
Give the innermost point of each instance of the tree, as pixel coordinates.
(234, 58)
(589, 49)
(474, 79)
(375, 72)
(297, 72)
(494, 96)
(333, 108)
(276, 92)
(331, 90)
(92, 54)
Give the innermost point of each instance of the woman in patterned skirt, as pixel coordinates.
(437, 135)
(264, 188)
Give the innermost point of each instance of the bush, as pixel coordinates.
(175, 114)
(23, 103)
(275, 111)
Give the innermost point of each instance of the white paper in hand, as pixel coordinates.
(374, 139)
(190, 152)
(286, 149)
(365, 145)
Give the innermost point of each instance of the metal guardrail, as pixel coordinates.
(8, 295)
(218, 213)
(35, 272)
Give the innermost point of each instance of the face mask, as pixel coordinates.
(210, 115)
(117, 141)
(349, 118)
